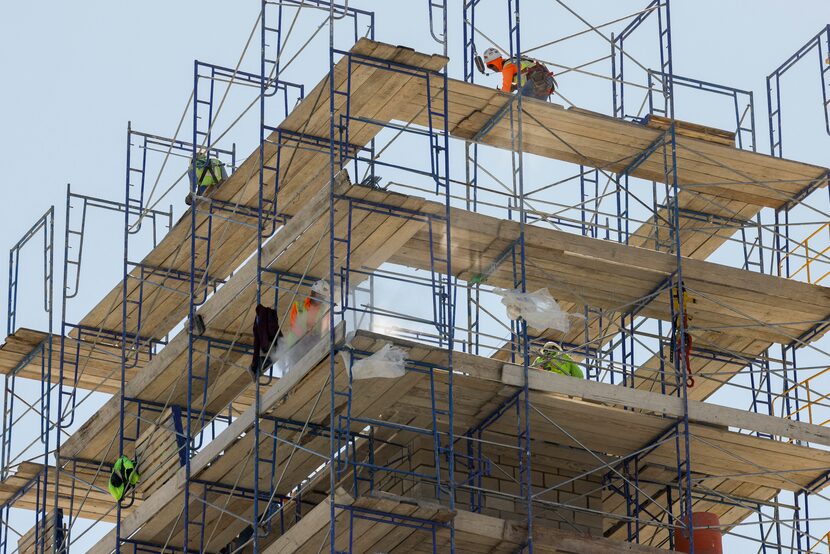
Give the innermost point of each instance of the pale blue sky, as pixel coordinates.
(76, 72)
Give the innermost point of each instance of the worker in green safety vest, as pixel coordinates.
(552, 358)
(209, 173)
(124, 477)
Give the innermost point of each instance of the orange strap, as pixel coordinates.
(508, 72)
(293, 314)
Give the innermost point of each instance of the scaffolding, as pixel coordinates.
(680, 269)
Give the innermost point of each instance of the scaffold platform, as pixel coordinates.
(404, 464)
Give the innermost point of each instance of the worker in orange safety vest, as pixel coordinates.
(534, 79)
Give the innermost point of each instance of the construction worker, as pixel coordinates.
(552, 358)
(532, 76)
(124, 477)
(680, 329)
(209, 174)
(304, 314)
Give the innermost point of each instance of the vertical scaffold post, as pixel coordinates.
(617, 88)
(439, 142)
(201, 249)
(684, 465)
(469, 16)
(269, 69)
(124, 294)
(473, 292)
(589, 188)
(820, 42)
(517, 156)
(48, 224)
(333, 442)
(43, 406)
(191, 308)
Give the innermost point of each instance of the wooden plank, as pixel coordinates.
(624, 431)
(157, 452)
(693, 130)
(723, 164)
(91, 438)
(312, 523)
(607, 154)
(100, 370)
(697, 245)
(164, 497)
(73, 481)
(44, 536)
(239, 240)
(499, 530)
(586, 270)
(671, 406)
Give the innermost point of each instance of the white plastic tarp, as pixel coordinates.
(538, 309)
(388, 362)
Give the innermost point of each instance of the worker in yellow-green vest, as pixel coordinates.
(209, 173)
(552, 358)
(531, 76)
(124, 477)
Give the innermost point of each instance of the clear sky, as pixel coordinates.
(74, 74)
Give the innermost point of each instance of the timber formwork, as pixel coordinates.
(464, 452)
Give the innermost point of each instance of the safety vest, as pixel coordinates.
(209, 171)
(302, 318)
(124, 477)
(560, 363)
(524, 65)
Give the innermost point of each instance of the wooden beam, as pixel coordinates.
(311, 524)
(546, 538)
(672, 406)
(171, 490)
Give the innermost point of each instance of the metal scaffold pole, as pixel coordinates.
(577, 403)
(680, 319)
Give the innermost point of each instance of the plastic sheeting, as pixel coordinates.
(538, 309)
(389, 362)
(307, 317)
(287, 351)
(321, 287)
(321, 291)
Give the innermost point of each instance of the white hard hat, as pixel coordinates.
(491, 54)
(551, 346)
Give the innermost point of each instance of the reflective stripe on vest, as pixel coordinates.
(523, 67)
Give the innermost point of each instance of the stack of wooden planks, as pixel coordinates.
(158, 455)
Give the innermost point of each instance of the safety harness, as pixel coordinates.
(681, 325)
(209, 171)
(544, 83)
